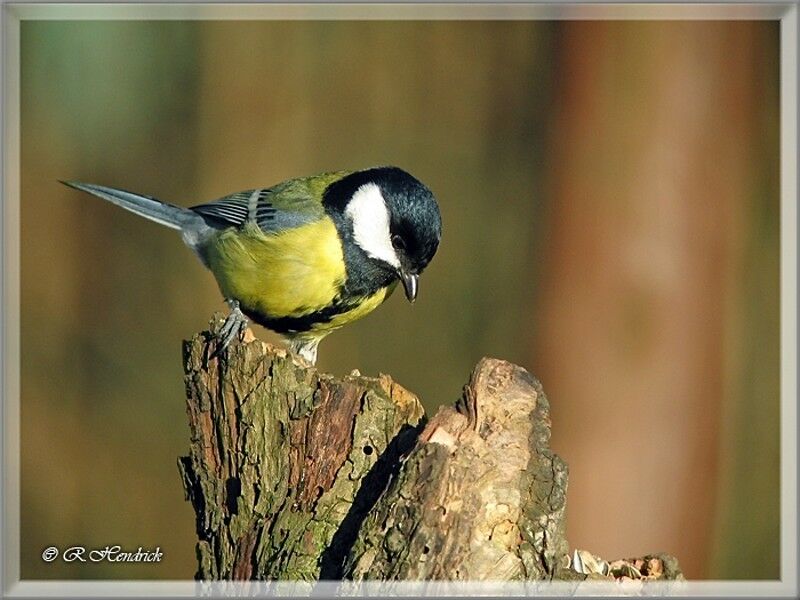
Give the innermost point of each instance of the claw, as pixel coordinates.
(307, 349)
(234, 325)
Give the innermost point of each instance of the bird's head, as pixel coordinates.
(392, 218)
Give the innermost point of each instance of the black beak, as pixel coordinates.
(410, 284)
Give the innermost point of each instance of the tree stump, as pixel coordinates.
(297, 475)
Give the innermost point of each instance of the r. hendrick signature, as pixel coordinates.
(108, 553)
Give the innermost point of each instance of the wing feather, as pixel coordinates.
(287, 205)
(229, 211)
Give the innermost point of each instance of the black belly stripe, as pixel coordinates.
(299, 324)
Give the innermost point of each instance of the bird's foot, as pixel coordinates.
(306, 349)
(235, 325)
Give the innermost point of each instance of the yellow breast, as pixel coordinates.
(290, 273)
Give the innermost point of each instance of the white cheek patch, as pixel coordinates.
(370, 216)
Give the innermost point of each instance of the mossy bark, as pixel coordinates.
(284, 460)
(298, 475)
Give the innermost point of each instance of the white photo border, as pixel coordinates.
(13, 13)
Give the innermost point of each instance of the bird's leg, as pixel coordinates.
(235, 324)
(306, 348)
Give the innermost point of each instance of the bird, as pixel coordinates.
(308, 255)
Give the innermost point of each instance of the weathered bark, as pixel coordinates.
(298, 475)
(481, 497)
(284, 460)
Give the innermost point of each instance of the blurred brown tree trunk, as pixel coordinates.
(655, 165)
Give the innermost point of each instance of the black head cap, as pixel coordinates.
(415, 224)
(415, 221)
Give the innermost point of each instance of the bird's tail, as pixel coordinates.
(164, 213)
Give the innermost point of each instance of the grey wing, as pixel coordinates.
(286, 205)
(239, 208)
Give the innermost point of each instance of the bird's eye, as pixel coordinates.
(398, 242)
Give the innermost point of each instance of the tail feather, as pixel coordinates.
(164, 213)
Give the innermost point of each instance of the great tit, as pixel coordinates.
(308, 255)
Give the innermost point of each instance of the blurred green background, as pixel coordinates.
(610, 202)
